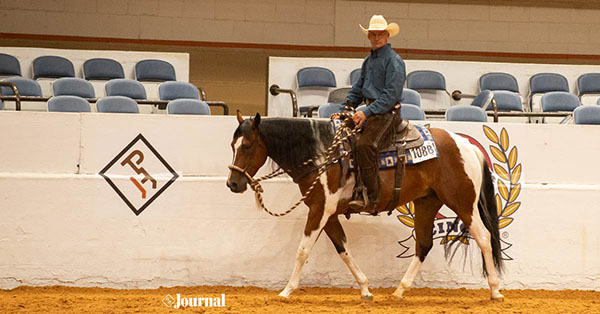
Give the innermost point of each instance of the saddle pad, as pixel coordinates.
(414, 155)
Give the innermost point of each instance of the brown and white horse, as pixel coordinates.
(459, 178)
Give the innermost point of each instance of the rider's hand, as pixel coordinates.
(358, 118)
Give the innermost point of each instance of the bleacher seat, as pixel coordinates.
(68, 104)
(177, 90)
(466, 113)
(25, 87)
(483, 99)
(9, 65)
(74, 87)
(411, 112)
(117, 104)
(507, 101)
(102, 69)
(152, 70)
(188, 106)
(544, 83)
(338, 94)
(354, 76)
(559, 101)
(52, 67)
(327, 110)
(427, 82)
(1, 105)
(588, 83)
(314, 79)
(125, 87)
(411, 97)
(587, 115)
(498, 81)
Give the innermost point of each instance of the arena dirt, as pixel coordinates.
(49, 300)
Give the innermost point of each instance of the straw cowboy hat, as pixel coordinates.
(378, 23)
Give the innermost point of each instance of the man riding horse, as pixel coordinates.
(381, 79)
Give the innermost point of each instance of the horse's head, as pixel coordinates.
(249, 153)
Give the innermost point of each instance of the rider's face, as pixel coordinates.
(378, 39)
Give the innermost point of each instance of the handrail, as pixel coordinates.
(17, 96)
(221, 104)
(275, 90)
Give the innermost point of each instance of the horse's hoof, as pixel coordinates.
(498, 298)
(398, 294)
(283, 295)
(368, 297)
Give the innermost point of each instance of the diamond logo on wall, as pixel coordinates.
(139, 174)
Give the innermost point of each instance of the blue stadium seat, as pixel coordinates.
(315, 77)
(74, 87)
(102, 69)
(483, 99)
(559, 101)
(411, 112)
(546, 82)
(25, 87)
(9, 65)
(1, 105)
(327, 110)
(52, 67)
(178, 90)
(152, 70)
(466, 113)
(507, 101)
(354, 76)
(188, 106)
(498, 81)
(587, 115)
(125, 87)
(410, 96)
(117, 104)
(588, 83)
(426, 80)
(338, 94)
(68, 104)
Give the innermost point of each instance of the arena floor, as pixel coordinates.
(50, 300)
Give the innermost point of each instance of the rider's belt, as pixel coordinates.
(396, 106)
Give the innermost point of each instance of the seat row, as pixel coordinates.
(150, 70)
(504, 85)
(75, 94)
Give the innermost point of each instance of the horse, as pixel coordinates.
(459, 178)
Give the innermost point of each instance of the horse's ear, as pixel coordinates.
(256, 121)
(239, 117)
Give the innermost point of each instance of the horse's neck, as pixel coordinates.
(291, 142)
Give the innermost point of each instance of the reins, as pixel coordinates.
(343, 133)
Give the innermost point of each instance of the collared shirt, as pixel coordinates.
(381, 79)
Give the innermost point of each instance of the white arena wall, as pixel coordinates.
(62, 223)
(460, 75)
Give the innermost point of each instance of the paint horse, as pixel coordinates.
(459, 178)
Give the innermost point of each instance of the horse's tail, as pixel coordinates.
(489, 216)
(488, 212)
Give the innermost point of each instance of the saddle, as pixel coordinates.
(406, 136)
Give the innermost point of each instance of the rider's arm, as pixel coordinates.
(395, 75)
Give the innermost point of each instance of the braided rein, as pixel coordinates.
(343, 133)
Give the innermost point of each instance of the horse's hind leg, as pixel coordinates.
(425, 210)
(335, 232)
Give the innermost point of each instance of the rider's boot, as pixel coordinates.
(367, 203)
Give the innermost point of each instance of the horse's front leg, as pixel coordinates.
(314, 225)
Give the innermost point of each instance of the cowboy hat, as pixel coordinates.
(378, 23)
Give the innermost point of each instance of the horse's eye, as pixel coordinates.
(246, 146)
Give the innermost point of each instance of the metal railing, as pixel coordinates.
(275, 90)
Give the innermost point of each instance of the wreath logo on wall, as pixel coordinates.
(506, 173)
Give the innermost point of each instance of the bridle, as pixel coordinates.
(343, 133)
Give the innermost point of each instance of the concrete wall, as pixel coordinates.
(511, 26)
(62, 223)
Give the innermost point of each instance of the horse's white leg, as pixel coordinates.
(483, 239)
(310, 236)
(409, 277)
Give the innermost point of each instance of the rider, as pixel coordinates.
(381, 79)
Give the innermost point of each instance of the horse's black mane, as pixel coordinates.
(291, 141)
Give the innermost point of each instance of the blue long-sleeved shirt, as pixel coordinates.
(381, 79)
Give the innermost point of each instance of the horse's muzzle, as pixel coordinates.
(237, 187)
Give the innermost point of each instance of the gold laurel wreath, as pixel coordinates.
(507, 170)
(506, 197)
